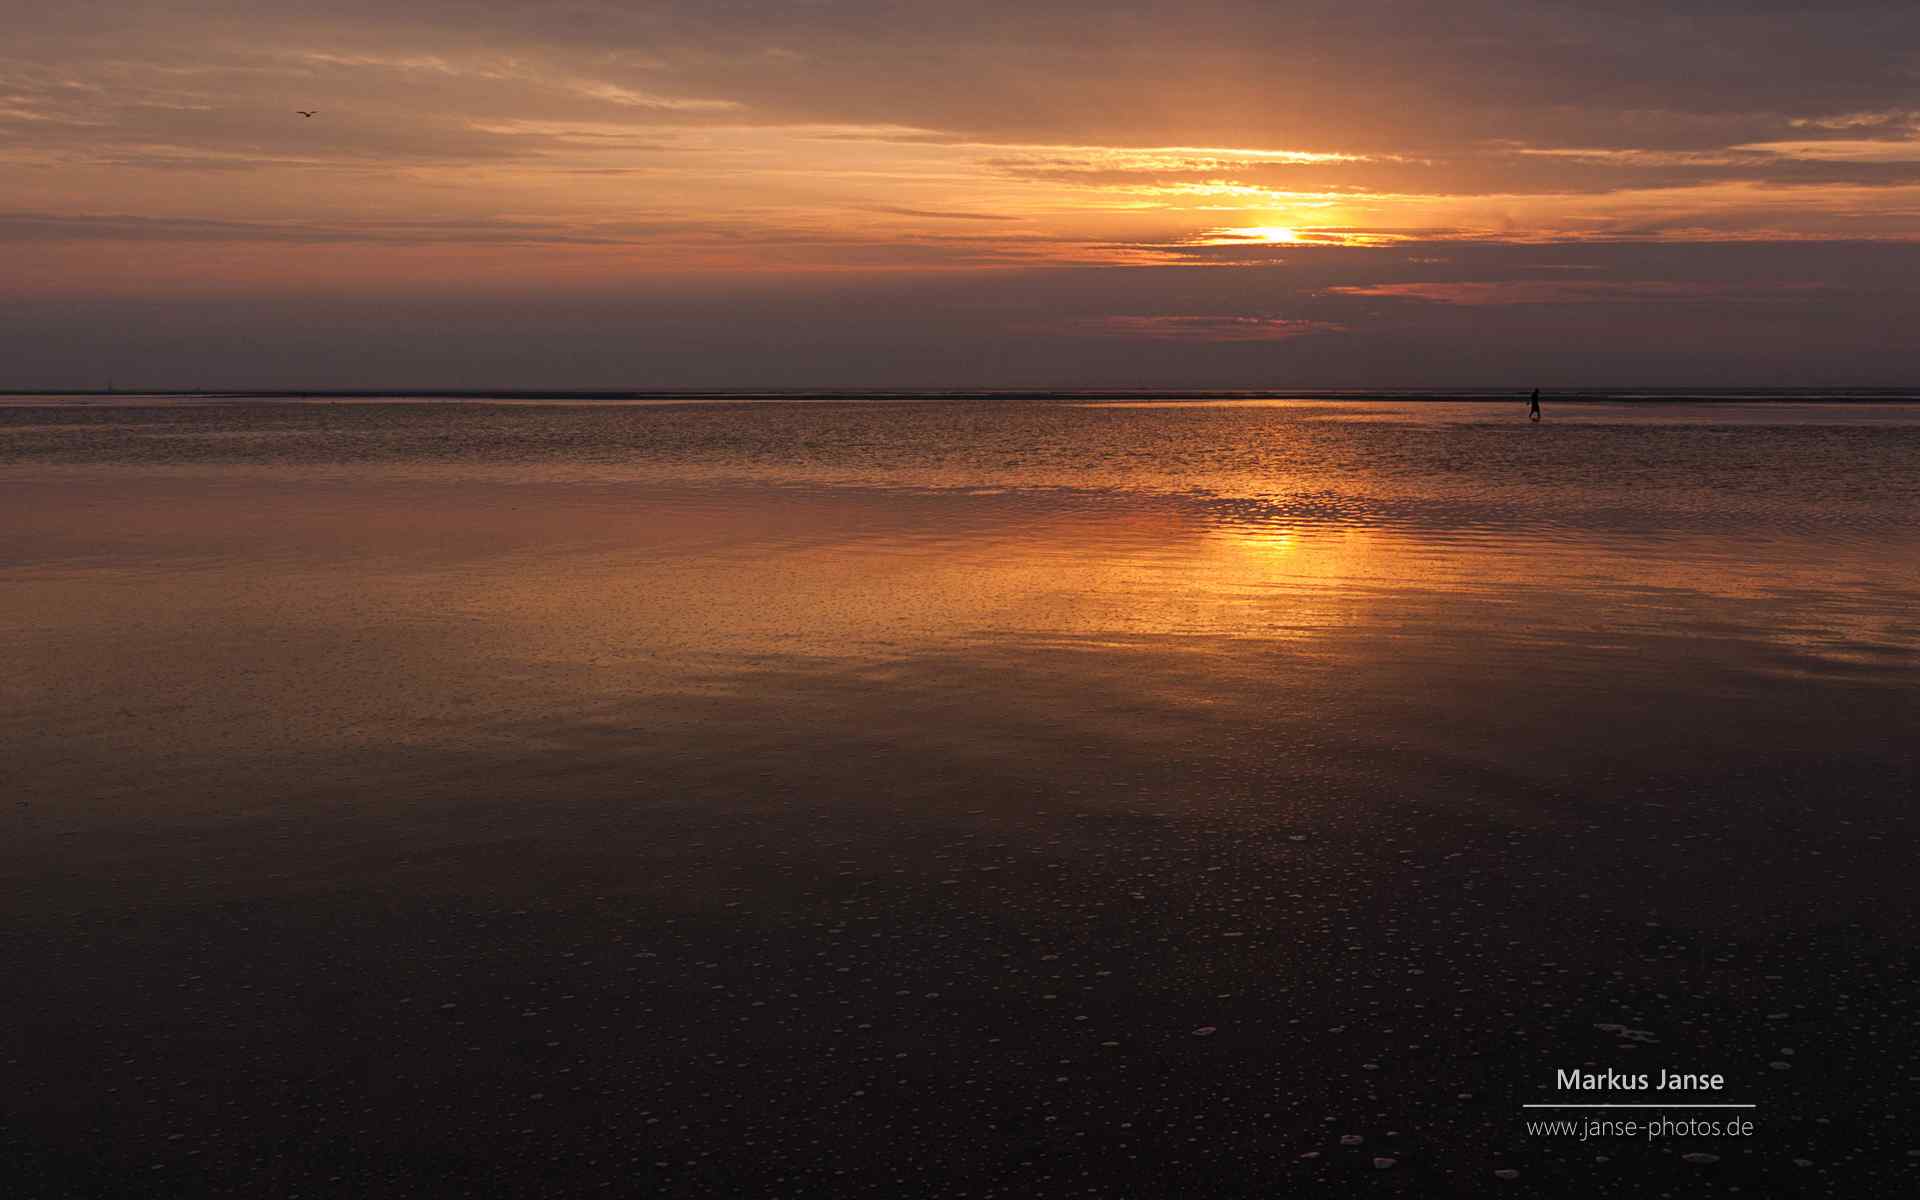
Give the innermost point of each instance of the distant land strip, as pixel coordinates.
(1436, 395)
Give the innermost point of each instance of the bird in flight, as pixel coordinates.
(303, 112)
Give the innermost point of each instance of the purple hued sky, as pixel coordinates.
(813, 193)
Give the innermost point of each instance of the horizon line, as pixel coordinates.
(1589, 393)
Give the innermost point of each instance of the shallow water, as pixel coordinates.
(236, 575)
(1416, 682)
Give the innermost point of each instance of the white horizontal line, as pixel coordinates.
(1639, 1106)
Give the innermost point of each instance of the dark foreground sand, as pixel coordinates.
(891, 967)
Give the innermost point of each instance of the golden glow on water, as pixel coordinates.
(1261, 543)
(241, 595)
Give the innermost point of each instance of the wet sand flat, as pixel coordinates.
(953, 798)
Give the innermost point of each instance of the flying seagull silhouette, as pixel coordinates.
(303, 112)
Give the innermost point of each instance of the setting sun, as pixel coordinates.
(1271, 234)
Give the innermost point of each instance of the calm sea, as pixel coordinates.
(1075, 724)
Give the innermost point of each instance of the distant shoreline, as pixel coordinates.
(1435, 395)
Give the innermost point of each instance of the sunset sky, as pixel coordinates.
(815, 193)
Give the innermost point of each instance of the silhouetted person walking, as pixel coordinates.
(1533, 406)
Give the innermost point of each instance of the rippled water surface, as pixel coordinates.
(233, 572)
(1101, 679)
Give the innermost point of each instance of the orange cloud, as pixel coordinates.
(1551, 291)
